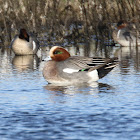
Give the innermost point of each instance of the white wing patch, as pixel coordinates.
(68, 70)
(118, 34)
(34, 45)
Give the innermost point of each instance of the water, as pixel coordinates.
(30, 109)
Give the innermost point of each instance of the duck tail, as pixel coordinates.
(107, 67)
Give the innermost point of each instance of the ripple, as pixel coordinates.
(109, 109)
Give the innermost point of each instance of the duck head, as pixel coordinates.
(121, 24)
(24, 35)
(58, 53)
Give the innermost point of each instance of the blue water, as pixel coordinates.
(30, 109)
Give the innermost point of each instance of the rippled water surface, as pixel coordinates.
(31, 109)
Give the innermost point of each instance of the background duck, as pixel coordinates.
(63, 68)
(126, 34)
(24, 43)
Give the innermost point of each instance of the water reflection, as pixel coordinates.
(93, 88)
(92, 110)
(23, 63)
(89, 49)
(129, 57)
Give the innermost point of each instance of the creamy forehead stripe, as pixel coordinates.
(68, 70)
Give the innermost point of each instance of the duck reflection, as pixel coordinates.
(93, 88)
(23, 63)
(129, 56)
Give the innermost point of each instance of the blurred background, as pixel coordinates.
(65, 22)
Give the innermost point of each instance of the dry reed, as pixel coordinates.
(57, 21)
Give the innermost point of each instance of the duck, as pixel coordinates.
(62, 68)
(24, 43)
(126, 34)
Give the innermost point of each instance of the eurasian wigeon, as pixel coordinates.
(126, 34)
(24, 43)
(63, 68)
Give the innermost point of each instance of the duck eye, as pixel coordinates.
(57, 52)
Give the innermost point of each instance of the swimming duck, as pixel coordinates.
(126, 34)
(24, 43)
(63, 68)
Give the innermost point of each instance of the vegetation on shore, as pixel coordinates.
(57, 21)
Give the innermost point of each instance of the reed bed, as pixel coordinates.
(65, 21)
